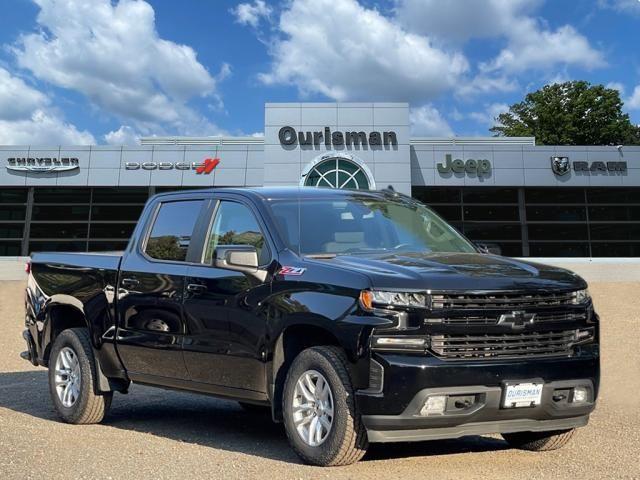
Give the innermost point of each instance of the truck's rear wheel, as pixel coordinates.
(539, 441)
(71, 379)
(320, 416)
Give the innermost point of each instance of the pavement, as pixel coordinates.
(157, 434)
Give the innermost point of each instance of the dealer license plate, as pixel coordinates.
(522, 395)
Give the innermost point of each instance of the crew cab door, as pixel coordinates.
(225, 338)
(150, 293)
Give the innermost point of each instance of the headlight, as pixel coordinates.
(371, 298)
(580, 296)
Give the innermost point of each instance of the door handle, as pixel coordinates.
(196, 288)
(130, 282)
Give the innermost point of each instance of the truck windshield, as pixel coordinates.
(363, 224)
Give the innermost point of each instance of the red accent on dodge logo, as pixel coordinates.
(208, 166)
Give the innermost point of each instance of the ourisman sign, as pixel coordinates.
(288, 136)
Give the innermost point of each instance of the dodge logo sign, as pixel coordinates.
(560, 165)
(516, 320)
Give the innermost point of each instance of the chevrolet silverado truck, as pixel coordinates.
(354, 316)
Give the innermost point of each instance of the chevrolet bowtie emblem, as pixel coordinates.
(516, 319)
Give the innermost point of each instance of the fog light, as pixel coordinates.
(434, 405)
(580, 395)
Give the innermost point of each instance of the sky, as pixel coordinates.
(109, 71)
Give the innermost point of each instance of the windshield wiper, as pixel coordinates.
(321, 255)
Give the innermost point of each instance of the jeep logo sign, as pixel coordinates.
(470, 166)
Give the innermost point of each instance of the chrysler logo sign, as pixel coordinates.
(42, 164)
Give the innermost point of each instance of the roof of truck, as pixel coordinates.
(281, 193)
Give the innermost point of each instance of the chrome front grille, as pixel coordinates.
(508, 345)
(500, 300)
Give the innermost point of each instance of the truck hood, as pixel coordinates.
(456, 271)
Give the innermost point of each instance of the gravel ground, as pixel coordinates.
(153, 433)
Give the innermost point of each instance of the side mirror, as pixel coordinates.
(239, 258)
(489, 248)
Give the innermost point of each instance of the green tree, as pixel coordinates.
(570, 113)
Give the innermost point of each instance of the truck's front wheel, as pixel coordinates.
(320, 414)
(539, 441)
(71, 379)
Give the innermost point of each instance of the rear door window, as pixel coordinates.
(172, 229)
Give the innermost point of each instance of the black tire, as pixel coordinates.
(89, 407)
(253, 408)
(346, 441)
(539, 441)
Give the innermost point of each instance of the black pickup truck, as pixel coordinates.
(354, 316)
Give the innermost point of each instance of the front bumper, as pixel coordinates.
(393, 415)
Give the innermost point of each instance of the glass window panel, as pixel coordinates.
(12, 213)
(120, 195)
(555, 231)
(614, 213)
(172, 230)
(174, 189)
(61, 195)
(11, 230)
(431, 195)
(554, 195)
(560, 249)
(13, 195)
(490, 195)
(449, 212)
(557, 213)
(116, 213)
(493, 231)
(235, 224)
(10, 249)
(106, 246)
(612, 231)
(58, 230)
(111, 230)
(613, 195)
(60, 212)
(510, 249)
(491, 212)
(599, 249)
(57, 246)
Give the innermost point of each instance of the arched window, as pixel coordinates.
(338, 172)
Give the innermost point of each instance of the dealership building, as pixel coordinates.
(538, 201)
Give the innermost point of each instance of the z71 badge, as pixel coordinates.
(291, 271)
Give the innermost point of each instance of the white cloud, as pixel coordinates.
(622, 6)
(616, 86)
(529, 44)
(42, 128)
(461, 20)
(427, 121)
(488, 117)
(125, 135)
(532, 48)
(17, 99)
(27, 118)
(356, 53)
(251, 14)
(112, 53)
(633, 102)
(483, 84)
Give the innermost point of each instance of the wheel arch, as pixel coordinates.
(293, 339)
